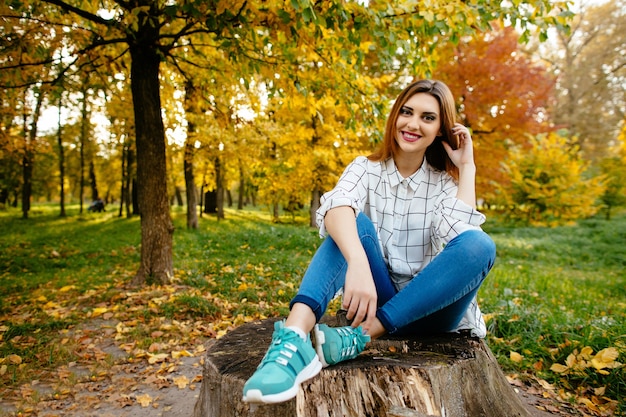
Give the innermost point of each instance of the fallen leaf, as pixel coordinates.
(606, 359)
(159, 357)
(15, 359)
(145, 400)
(178, 354)
(558, 368)
(181, 381)
(98, 311)
(516, 357)
(545, 384)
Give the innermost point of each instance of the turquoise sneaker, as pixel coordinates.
(289, 361)
(336, 344)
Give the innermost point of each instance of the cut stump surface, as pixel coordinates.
(449, 375)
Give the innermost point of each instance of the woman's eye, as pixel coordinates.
(405, 111)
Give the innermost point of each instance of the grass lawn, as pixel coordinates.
(555, 302)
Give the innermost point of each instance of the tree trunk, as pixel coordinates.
(93, 182)
(315, 204)
(156, 224)
(191, 102)
(219, 187)
(84, 125)
(190, 187)
(27, 180)
(242, 187)
(123, 189)
(449, 375)
(30, 136)
(61, 162)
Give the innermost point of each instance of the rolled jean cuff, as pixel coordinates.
(314, 305)
(384, 320)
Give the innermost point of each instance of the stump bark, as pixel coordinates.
(450, 375)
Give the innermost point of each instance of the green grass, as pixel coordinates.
(552, 292)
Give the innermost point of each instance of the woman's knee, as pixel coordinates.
(479, 244)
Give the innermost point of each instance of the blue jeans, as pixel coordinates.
(433, 301)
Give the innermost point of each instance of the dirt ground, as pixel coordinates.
(164, 386)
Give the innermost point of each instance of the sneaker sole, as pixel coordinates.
(256, 396)
(319, 340)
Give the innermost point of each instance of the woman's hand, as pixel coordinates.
(463, 158)
(464, 154)
(359, 293)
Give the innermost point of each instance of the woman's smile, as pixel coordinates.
(410, 137)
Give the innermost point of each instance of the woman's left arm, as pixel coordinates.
(463, 158)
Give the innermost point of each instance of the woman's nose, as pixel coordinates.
(413, 123)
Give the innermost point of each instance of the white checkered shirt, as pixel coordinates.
(415, 217)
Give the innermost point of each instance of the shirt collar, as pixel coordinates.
(413, 181)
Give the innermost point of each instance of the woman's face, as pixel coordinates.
(418, 124)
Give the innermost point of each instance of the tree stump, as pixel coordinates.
(451, 375)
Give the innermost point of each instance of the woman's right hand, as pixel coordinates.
(359, 293)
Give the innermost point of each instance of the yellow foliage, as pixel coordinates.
(580, 362)
(549, 184)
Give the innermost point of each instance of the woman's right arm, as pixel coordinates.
(360, 297)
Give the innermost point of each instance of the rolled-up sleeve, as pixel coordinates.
(350, 191)
(452, 216)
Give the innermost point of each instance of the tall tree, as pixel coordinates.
(590, 62)
(61, 158)
(30, 137)
(188, 166)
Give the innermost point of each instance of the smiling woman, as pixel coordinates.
(403, 244)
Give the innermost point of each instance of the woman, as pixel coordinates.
(404, 245)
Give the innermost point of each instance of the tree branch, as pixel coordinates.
(86, 15)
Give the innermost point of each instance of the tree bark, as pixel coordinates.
(242, 186)
(448, 375)
(61, 161)
(219, 187)
(156, 224)
(30, 136)
(190, 180)
(93, 182)
(315, 204)
(84, 130)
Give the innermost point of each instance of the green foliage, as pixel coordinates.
(615, 193)
(554, 291)
(548, 182)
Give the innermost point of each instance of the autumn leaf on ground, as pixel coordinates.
(516, 357)
(181, 381)
(179, 354)
(15, 359)
(159, 357)
(144, 400)
(98, 311)
(606, 359)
